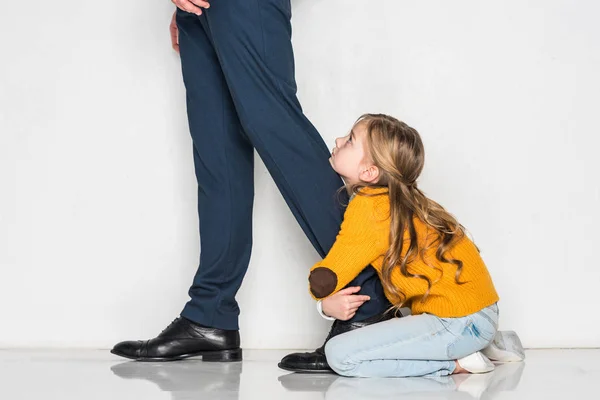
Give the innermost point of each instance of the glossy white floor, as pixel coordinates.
(85, 374)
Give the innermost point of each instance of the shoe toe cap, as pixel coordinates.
(128, 348)
(292, 359)
(304, 362)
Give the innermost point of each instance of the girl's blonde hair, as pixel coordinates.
(397, 150)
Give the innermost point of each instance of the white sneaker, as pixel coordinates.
(476, 363)
(505, 347)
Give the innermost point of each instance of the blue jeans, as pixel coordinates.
(417, 345)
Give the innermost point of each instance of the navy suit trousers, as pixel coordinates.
(238, 70)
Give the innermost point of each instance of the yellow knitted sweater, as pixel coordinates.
(364, 239)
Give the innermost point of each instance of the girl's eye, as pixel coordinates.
(349, 140)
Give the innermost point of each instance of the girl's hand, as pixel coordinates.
(343, 304)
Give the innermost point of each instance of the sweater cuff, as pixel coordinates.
(320, 309)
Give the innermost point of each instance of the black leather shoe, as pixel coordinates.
(316, 362)
(183, 339)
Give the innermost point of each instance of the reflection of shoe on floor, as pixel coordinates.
(486, 386)
(389, 388)
(186, 376)
(307, 382)
(505, 347)
(506, 377)
(475, 384)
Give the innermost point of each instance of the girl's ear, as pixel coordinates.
(369, 174)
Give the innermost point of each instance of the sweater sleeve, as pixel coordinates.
(357, 245)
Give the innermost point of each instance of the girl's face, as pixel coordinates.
(349, 157)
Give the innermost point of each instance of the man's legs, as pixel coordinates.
(224, 161)
(245, 47)
(253, 43)
(224, 165)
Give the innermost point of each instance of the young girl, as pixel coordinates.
(423, 256)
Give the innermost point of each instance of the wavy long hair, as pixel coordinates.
(398, 151)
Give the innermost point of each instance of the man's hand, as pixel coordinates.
(191, 6)
(343, 304)
(174, 33)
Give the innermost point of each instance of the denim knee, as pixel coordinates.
(337, 357)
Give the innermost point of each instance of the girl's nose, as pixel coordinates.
(337, 142)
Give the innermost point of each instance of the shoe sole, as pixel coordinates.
(207, 356)
(306, 371)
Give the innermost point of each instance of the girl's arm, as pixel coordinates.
(357, 245)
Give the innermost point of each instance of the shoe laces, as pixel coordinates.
(170, 325)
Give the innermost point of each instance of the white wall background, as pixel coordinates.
(98, 239)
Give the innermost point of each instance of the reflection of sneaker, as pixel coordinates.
(486, 387)
(505, 347)
(474, 384)
(476, 363)
(307, 382)
(506, 377)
